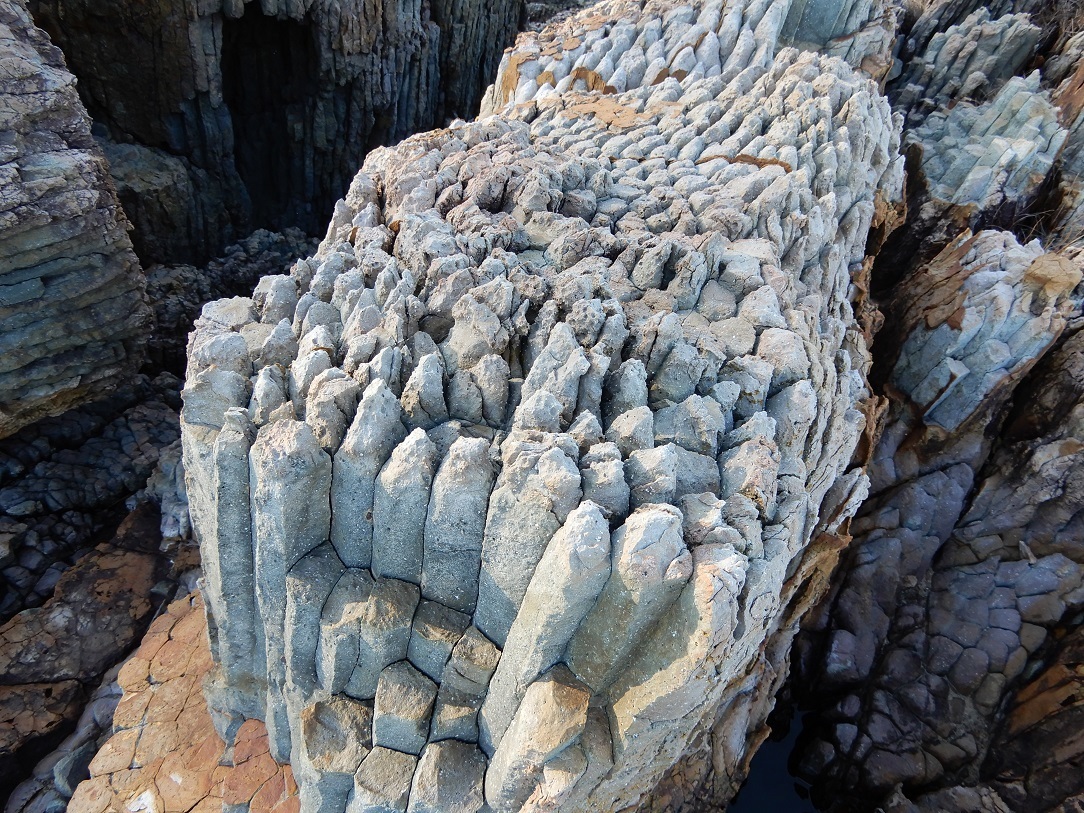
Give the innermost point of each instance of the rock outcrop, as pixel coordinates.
(164, 753)
(64, 480)
(221, 117)
(966, 564)
(51, 655)
(961, 563)
(178, 292)
(73, 316)
(512, 494)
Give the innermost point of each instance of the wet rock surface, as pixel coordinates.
(64, 481)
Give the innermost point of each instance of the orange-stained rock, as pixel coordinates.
(165, 752)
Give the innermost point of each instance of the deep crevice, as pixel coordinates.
(270, 70)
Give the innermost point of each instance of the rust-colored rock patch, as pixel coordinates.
(165, 755)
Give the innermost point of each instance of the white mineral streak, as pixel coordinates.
(580, 381)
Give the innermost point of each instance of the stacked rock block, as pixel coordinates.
(73, 319)
(511, 493)
(967, 555)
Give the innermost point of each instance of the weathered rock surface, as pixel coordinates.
(56, 776)
(956, 575)
(73, 314)
(583, 374)
(177, 292)
(227, 116)
(51, 655)
(966, 568)
(64, 480)
(164, 753)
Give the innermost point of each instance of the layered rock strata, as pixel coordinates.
(73, 318)
(512, 494)
(221, 117)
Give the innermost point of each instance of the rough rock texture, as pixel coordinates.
(596, 356)
(63, 482)
(164, 753)
(56, 776)
(962, 560)
(51, 655)
(179, 291)
(966, 567)
(73, 317)
(220, 117)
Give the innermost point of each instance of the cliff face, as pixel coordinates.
(513, 493)
(227, 116)
(73, 318)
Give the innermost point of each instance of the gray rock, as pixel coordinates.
(374, 433)
(435, 631)
(448, 779)
(382, 783)
(455, 525)
(566, 585)
(650, 566)
(551, 717)
(403, 705)
(400, 506)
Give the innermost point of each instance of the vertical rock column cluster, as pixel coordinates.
(73, 317)
(512, 493)
(229, 115)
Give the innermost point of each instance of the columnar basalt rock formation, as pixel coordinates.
(961, 563)
(224, 116)
(73, 319)
(512, 494)
(966, 564)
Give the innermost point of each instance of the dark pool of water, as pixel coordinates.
(770, 787)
